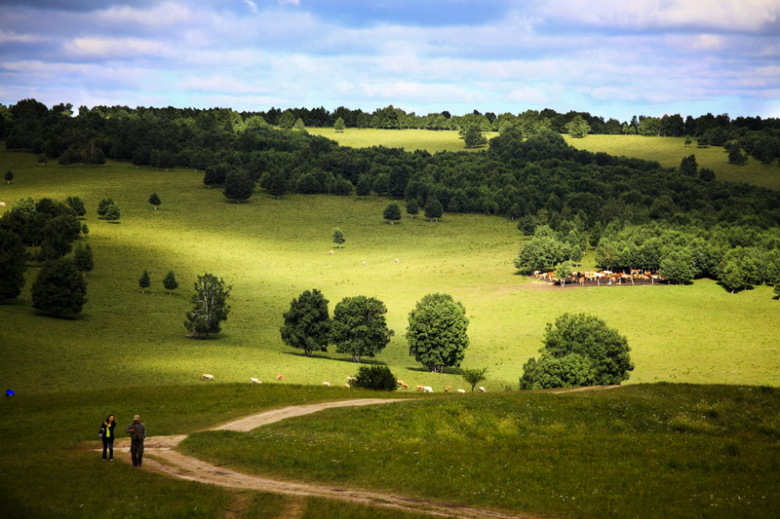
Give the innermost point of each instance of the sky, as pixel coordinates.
(612, 58)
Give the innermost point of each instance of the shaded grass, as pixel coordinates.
(272, 250)
(47, 469)
(641, 451)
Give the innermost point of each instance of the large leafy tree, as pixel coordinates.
(359, 327)
(238, 186)
(307, 323)
(544, 251)
(59, 289)
(579, 350)
(12, 265)
(437, 332)
(210, 307)
(578, 127)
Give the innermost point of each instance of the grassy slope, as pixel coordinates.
(271, 250)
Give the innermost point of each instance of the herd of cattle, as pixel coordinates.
(399, 383)
(603, 277)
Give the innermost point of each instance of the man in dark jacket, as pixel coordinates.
(137, 431)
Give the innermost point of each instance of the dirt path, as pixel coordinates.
(160, 457)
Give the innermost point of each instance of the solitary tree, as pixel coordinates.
(412, 207)
(82, 257)
(112, 213)
(578, 350)
(307, 323)
(155, 200)
(688, 166)
(472, 136)
(339, 125)
(12, 265)
(338, 237)
(144, 282)
(474, 376)
(359, 327)
(437, 332)
(59, 289)
(169, 282)
(299, 125)
(210, 307)
(9, 176)
(392, 213)
(103, 206)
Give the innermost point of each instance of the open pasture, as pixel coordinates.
(272, 250)
(409, 139)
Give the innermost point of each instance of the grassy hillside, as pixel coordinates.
(669, 151)
(271, 250)
(642, 451)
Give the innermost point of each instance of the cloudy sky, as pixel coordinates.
(614, 58)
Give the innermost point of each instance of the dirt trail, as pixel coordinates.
(160, 457)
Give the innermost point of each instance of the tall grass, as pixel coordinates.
(272, 250)
(643, 451)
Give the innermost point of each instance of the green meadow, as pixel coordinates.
(648, 450)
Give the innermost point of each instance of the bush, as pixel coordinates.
(378, 378)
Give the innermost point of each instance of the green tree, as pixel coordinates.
(359, 327)
(12, 265)
(307, 323)
(82, 257)
(59, 289)
(472, 136)
(678, 266)
(543, 251)
(210, 307)
(112, 213)
(169, 282)
(339, 125)
(238, 186)
(563, 271)
(474, 376)
(155, 200)
(58, 235)
(9, 176)
(144, 282)
(579, 349)
(338, 237)
(378, 378)
(103, 206)
(277, 183)
(392, 213)
(433, 210)
(578, 127)
(299, 125)
(287, 119)
(77, 205)
(437, 332)
(689, 167)
(412, 207)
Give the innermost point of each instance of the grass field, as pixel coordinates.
(703, 448)
(272, 250)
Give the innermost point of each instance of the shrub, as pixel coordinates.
(378, 378)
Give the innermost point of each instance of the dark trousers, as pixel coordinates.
(137, 452)
(108, 444)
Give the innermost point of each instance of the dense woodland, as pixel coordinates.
(636, 213)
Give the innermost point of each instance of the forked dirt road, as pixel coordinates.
(163, 459)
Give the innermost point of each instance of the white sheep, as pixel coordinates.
(255, 381)
(207, 376)
(481, 389)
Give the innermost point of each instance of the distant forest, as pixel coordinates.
(527, 173)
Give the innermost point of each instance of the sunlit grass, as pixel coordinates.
(272, 250)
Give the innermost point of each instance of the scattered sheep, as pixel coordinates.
(207, 376)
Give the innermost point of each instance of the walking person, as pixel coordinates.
(107, 435)
(137, 431)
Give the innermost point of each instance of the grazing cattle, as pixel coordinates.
(207, 376)
(347, 386)
(427, 389)
(2, 204)
(365, 262)
(326, 383)
(331, 252)
(418, 388)
(447, 389)
(401, 383)
(255, 380)
(481, 389)
(461, 390)
(397, 260)
(280, 377)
